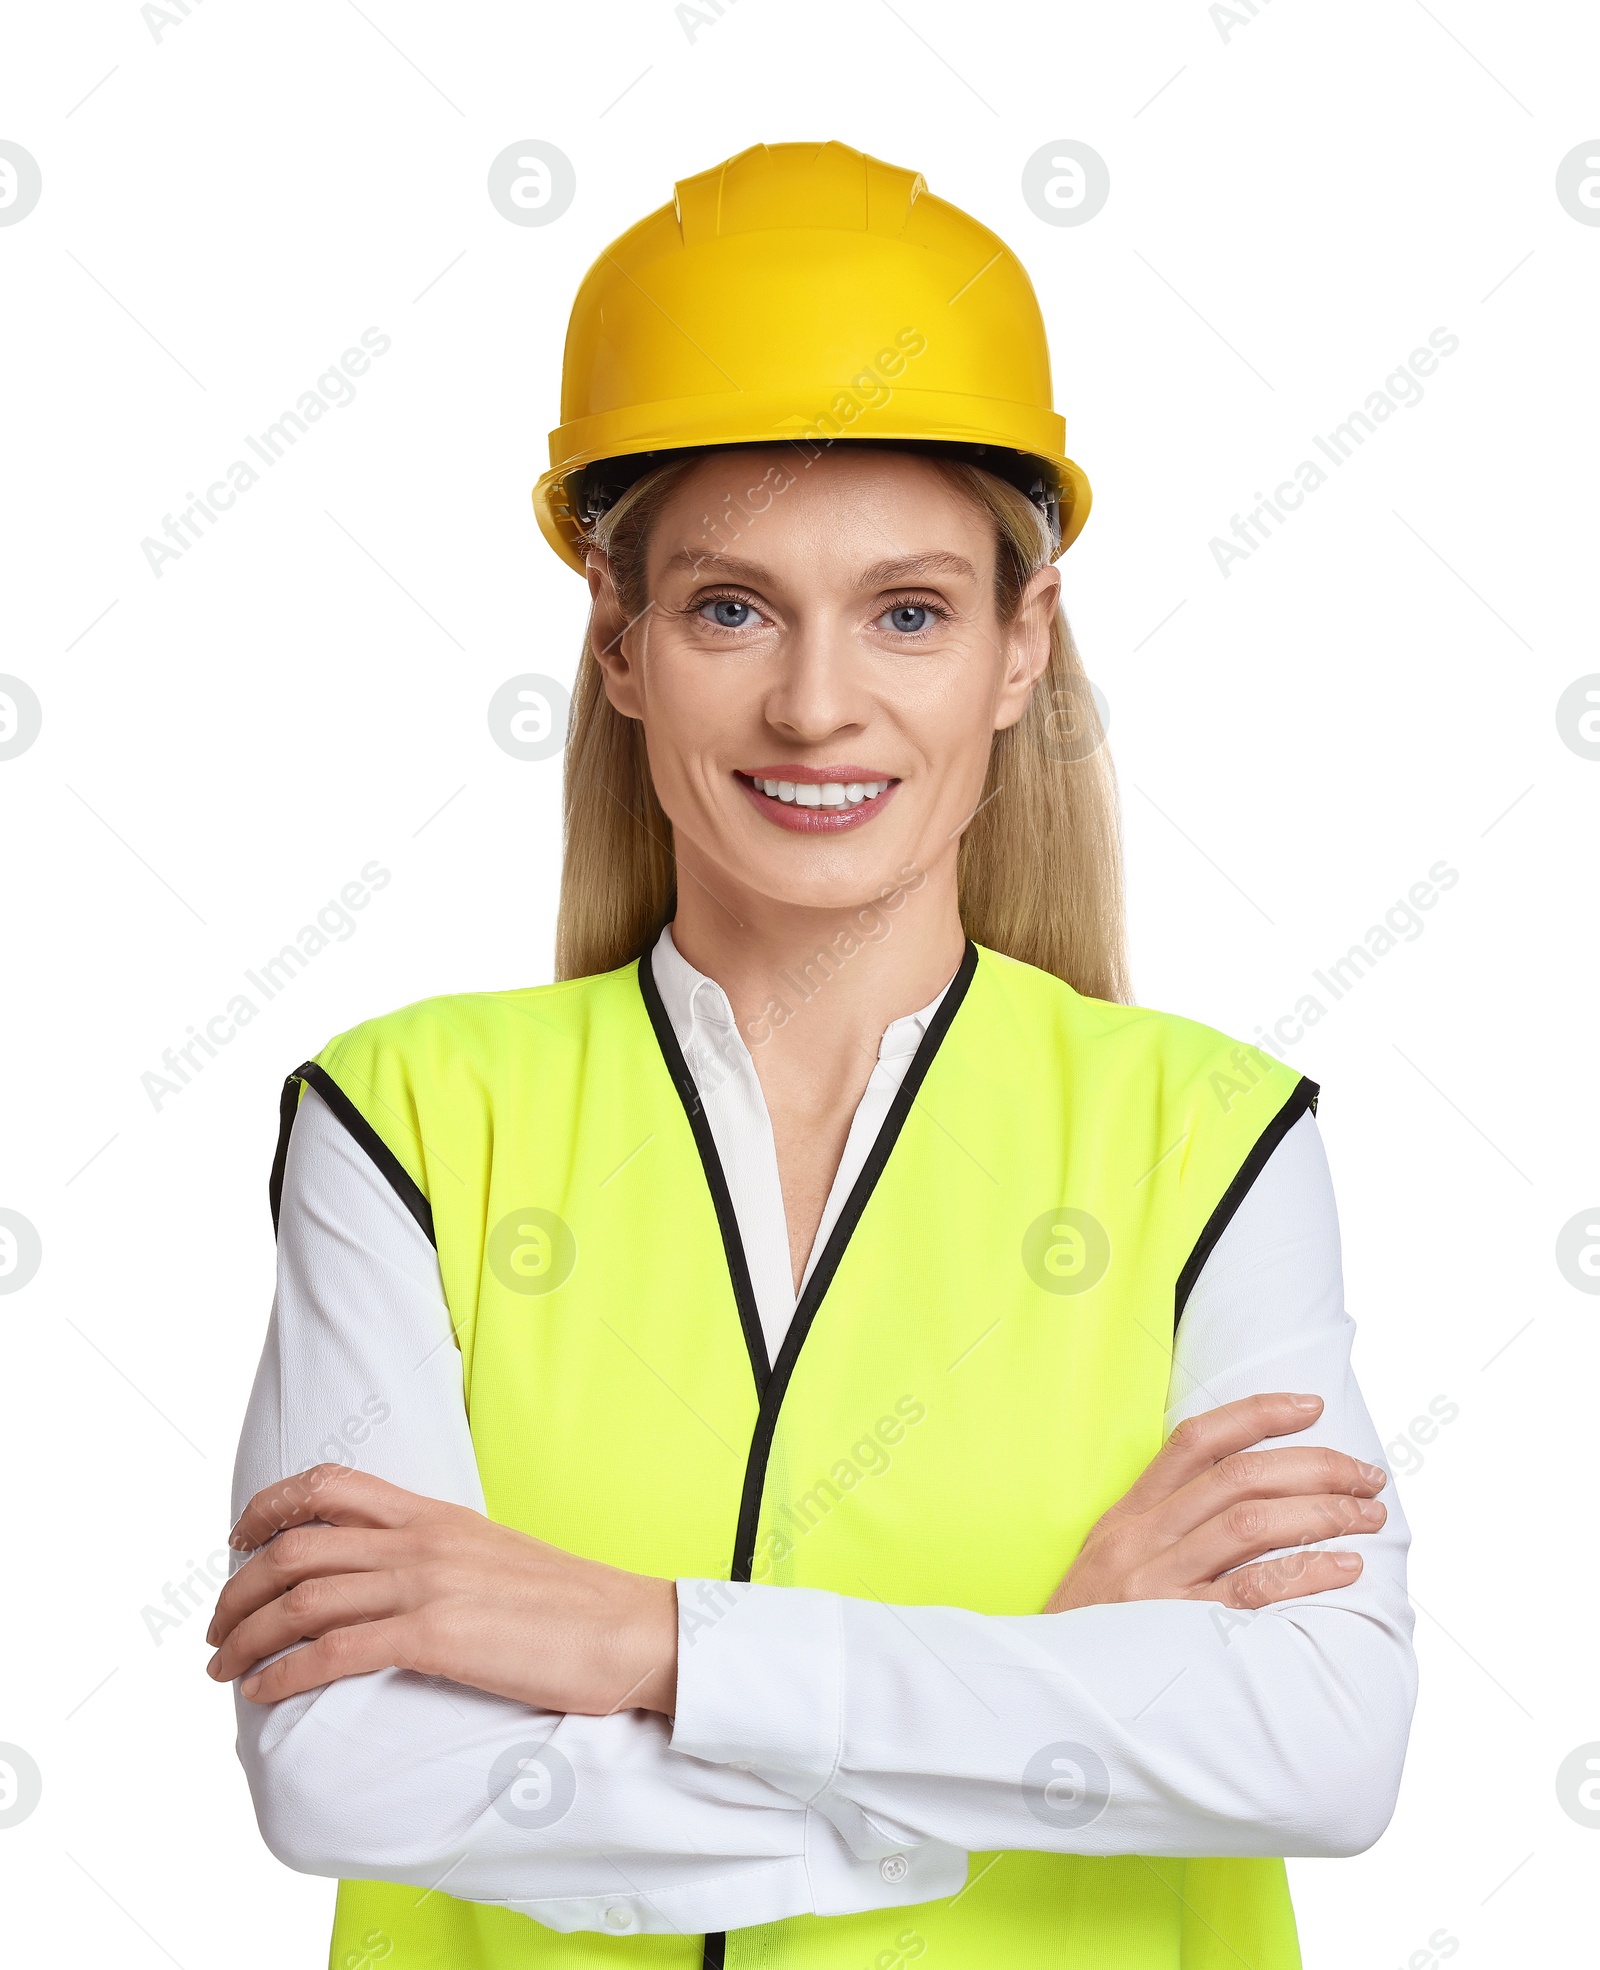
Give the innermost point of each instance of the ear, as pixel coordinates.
(1027, 644)
(611, 637)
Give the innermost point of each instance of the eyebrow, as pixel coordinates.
(890, 574)
(882, 574)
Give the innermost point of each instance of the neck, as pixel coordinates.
(828, 981)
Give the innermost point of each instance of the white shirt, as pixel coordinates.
(828, 1754)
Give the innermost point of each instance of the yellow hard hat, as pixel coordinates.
(804, 293)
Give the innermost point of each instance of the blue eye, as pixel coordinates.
(728, 613)
(908, 619)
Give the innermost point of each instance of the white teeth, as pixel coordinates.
(823, 793)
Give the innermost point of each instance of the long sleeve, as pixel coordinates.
(388, 1776)
(1153, 1727)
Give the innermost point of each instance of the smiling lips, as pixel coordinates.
(817, 799)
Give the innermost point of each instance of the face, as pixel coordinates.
(819, 669)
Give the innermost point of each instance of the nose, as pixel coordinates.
(818, 692)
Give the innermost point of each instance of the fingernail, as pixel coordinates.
(1345, 1562)
(250, 1685)
(211, 1667)
(1305, 1402)
(211, 1636)
(1375, 1475)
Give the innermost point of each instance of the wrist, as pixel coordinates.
(654, 1647)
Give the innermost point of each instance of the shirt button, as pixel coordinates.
(895, 1868)
(618, 1918)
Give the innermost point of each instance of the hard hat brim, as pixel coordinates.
(911, 417)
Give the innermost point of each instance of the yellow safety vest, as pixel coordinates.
(996, 1307)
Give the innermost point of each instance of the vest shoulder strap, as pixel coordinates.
(1209, 1109)
(414, 1083)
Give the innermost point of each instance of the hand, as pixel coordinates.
(1207, 1503)
(391, 1580)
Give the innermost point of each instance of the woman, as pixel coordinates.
(734, 1379)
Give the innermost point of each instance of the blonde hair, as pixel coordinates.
(1039, 869)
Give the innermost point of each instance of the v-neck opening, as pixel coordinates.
(772, 1378)
(694, 1108)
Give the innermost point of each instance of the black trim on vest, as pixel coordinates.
(732, 1244)
(771, 1383)
(361, 1130)
(827, 1265)
(288, 1102)
(1302, 1101)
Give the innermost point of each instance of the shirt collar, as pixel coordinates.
(695, 1003)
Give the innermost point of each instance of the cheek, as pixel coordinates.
(949, 713)
(696, 712)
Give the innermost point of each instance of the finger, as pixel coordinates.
(1287, 1579)
(310, 1610)
(1259, 1525)
(300, 1554)
(1201, 1441)
(1301, 1471)
(331, 1492)
(358, 1650)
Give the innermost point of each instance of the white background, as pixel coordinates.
(1296, 202)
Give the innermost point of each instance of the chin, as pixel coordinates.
(848, 878)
